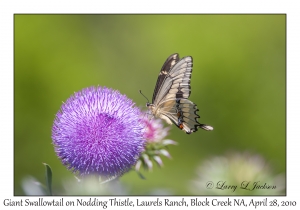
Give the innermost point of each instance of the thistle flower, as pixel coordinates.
(98, 131)
(156, 145)
(237, 174)
(155, 130)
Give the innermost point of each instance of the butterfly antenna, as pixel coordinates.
(144, 96)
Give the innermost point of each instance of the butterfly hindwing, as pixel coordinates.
(188, 117)
(183, 113)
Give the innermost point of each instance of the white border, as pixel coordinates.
(8, 8)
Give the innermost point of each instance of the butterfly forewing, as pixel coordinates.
(180, 76)
(169, 63)
(176, 84)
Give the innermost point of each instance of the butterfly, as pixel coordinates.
(170, 97)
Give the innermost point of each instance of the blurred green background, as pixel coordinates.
(238, 84)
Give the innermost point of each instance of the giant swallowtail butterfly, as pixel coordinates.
(170, 98)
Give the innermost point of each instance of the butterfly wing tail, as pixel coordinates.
(206, 127)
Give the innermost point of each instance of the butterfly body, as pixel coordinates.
(170, 98)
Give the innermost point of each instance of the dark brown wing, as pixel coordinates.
(168, 65)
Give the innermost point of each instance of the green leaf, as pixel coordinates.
(48, 177)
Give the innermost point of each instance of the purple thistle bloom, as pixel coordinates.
(156, 145)
(98, 131)
(155, 131)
